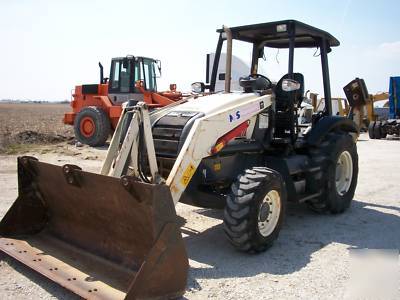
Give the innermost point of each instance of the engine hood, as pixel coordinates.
(214, 103)
(172, 125)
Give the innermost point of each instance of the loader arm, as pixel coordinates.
(203, 136)
(123, 157)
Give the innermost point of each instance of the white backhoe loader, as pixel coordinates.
(115, 235)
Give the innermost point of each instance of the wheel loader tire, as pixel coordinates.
(371, 130)
(383, 130)
(255, 209)
(341, 175)
(92, 126)
(377, 130)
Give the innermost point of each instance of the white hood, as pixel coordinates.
(214, 103)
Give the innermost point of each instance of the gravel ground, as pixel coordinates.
(310, 260)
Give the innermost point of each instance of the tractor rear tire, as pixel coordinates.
(342, 174)
(255, 210)
(92, 126)
(377, 130)
(371, 130)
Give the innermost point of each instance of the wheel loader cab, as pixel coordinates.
(124, 73)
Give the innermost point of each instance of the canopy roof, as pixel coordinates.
(276, 34)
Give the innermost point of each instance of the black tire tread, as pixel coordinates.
(377, 130)
(371, 130)
(327, 203)
(237, 214)
(103, 126)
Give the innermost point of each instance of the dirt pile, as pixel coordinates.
(34, 137)
(9, 141)
(24, 126)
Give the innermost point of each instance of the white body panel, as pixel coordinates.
(224, 112)
(216, 102)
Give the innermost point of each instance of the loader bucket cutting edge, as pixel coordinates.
(98, 236)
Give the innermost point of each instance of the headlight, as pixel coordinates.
(198, 87)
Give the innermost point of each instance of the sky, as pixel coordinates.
(48, 47)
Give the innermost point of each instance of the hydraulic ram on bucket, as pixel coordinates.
(98, 236)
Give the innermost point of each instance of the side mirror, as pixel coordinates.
(290, 85)
(198, 87)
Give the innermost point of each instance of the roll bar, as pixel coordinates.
(322, 39)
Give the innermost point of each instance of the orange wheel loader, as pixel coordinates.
(96, 108)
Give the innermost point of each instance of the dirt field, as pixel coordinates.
(26, 124)
(310, 260)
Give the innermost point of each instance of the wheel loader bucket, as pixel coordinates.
(98, 236)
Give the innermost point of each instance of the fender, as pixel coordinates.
(328, 124)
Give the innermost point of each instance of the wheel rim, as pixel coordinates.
(87, 126)
(268, 213)
(344, 173)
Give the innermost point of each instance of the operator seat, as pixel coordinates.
(284, 105)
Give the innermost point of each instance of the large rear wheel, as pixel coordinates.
(254, 210)
(92, 126)
(341, 175)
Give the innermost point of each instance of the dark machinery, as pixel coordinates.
(381, 128)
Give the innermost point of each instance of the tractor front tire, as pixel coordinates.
(92, 126)
(255, 209)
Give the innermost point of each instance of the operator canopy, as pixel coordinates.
(277, 34)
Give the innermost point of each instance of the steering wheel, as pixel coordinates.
(262, 76)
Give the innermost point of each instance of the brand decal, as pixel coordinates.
(235, 116)
(245, 111)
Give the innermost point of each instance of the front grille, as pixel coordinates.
(170, 131)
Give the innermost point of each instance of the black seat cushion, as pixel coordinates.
(283, 98)
(284, 104)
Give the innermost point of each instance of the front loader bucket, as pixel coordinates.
(98, 236)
